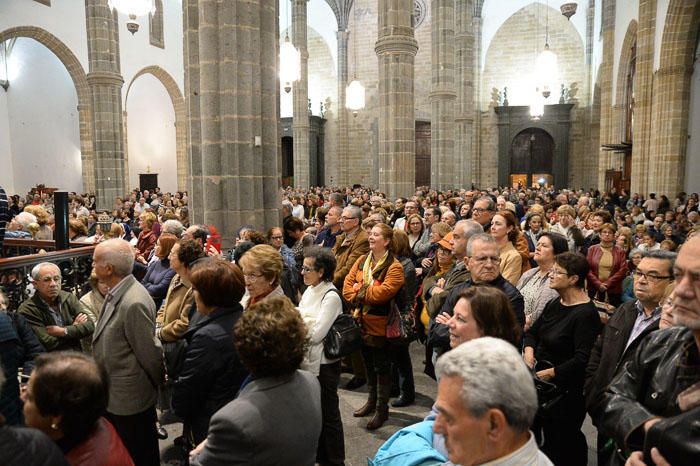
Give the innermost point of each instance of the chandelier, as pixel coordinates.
(355, 92)
(290, 60)
(133, 9)
(546, 73)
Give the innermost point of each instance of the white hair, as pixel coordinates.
(493, 376)
(173, 226)
(119, 254)
(37, 269)
(24, 219)
(483, 237)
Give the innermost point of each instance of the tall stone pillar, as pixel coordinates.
(466, 69)
(105, 82)
(643, 94)
(607, 114)
(300, 122)
(341, 177)
(442, 95)
(396, 50)
(232, 95)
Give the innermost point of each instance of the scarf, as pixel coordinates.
(367, 273)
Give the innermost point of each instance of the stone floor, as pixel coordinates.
(360, 443)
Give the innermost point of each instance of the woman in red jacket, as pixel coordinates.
(608, 268)
(373, 281)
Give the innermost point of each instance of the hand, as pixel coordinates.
(603, 288)
(212, 252)
(650, 422)
(426, 263)
(80, 319)
(546, 374)
(356, 287)
(637, 459)
(529, 358)
(528, 323)
(419, 271)
(436, 290)
(198, 449)
(440, 283)
(443, 318)
(56, 331)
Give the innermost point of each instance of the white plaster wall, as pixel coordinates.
(319, 16)
(7, 180)
(661, 10)
(597, 42)
(692, 164)
(496, 12)
(136, 51)
(43, 120)
(65, 19)
(151, 133)
(625, 12)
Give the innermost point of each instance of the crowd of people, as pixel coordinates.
(534, 307)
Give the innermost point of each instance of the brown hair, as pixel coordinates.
(422, 225)
(167, 241)
(78, 227)
(401, 245)
(493, 313)
(218, 282)
(512, 222)
(265, 259)
(387, 233)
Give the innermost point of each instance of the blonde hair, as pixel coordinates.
(149, 218)
(42, 216)
(441, 228)
(264, 259)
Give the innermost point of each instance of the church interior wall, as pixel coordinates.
(661, 10)
(151, 132)
(625, 12)
(692, 167)
(7, 179)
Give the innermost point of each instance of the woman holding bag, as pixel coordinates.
(320, 305)
(370, 286)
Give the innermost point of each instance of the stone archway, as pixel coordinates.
(669, 138)
(178, 102)
(77, 74)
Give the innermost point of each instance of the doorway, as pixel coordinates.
(422, 153)
(531, 156)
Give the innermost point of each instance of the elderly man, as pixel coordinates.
(18, 227)
(486, 402)
(350, 246)
(620, 338)
(58, 319)
(328, 236)
(661, 380)
(450, 218)
(124, 343)
(482, 261)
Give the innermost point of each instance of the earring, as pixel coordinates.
(272, 283)
(54, 426)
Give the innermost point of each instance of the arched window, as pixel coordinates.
(155, 21)
(629, 94)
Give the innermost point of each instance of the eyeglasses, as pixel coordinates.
(344, 218)
(484, 259)
(277, 237)
(556, 272)
(444, 251)
(478, 210)
(305, 269)
(252, 277)
(649, 276)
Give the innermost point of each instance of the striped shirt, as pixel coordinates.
(4, 215)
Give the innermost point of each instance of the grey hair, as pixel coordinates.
(469, 228)
(287, 205)
(635, 251)
(323, 259)
(337, 209)
(491, 206)
(354, 211)
(174, 227)
(494, 376)
(24, 219)
(662, 254)
(37, 268)
(120, 255)
(483, 237)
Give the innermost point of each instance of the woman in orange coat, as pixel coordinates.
(374, 280)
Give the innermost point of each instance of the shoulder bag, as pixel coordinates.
(344, 337)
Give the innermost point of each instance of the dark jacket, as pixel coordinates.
(439, 333)
(24, 446)
(609, 354)
(38, 315)
(157, 280)
(326, 238)
(407, 293)
(211, 373)
(456, 275)
(617, 272)
(666, 363)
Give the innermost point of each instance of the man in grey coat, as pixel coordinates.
(124, 342)
(276, 418)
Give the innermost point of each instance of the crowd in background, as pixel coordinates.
(573, 280)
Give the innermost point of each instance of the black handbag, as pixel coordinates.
(343, 339)
(549, 394)
(677, 438)
(174, 353)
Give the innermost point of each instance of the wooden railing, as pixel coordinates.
(15, 271)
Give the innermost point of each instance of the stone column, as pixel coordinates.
(607, 121)
(300, 123)
(466, 62)
(232, 94)
(643, 93)
(442, 96)
(105, 82)
(396, 50)
(341, 174)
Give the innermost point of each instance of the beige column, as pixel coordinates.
(607, 120)
(466, 69)
(232, 94)
(105, 82)
(442, 96)
(300, 88)
(341, 175)
(396, 50)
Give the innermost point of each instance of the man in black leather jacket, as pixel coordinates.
(482, 260)
(663, 378)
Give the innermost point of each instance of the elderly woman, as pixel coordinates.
(504, 229)
(532, 229)
(159, 273)
(374, 280)
(262, 270)
(211, 372)
(94, 301)
(437, 232)
(319, 306)
(534, 284)
(147, 238)
(557, 347)
(608, 267)
(66, 397)
(42, 219)
(279, 410)
(77, 231)
(635, 257)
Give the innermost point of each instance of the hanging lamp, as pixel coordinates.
(133, 9)
(355, 92)
(290, 60)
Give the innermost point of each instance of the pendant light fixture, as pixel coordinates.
(133, 9)
(290, 61)
(355, 92)
(546, 67)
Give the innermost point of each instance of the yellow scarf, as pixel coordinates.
(367, 277)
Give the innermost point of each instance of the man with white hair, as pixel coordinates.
(57, 318)
(18, 226)
(486, 402)
(124, 343)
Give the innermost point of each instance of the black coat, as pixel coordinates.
(212, 373)
(609, 354)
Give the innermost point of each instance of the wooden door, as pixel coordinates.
(531, 152)
(422, 153)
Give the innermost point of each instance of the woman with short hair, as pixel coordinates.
(158, 273)
(262, 270)
(608, 267)
(147, 238)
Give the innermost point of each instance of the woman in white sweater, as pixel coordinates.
(319, 306)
